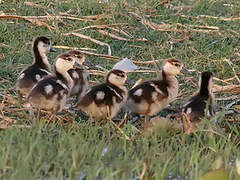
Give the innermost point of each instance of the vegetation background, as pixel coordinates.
(204, 34)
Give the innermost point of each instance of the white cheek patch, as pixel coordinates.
(48, 89)
(189, 110)
(100, 95)
(38, 77)
(75, 75)
(21, 76)
(138, 92)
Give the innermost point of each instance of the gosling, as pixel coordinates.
(105, 100)
(38, 70)
(150, 97)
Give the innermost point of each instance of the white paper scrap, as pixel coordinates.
(125, 65)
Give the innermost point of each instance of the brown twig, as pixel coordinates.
(34, 4)
(34, 21)
(92, 17)
(96, 27)
(231, 65)
(115, 58)
(120, 31)
(143, 171)
(142, 71)
(219, 18)
(200, 27)
(98, 17)
(162, 27)
(74, 48)
(231, 89)
(113, 35)
(5, 45)
(220, 80)
(7, 120)
(173, 27)
(123, 120)
(93, 40)
(212, 17)
(157, 68)
(227, 98)
(97, 72)
(119, 129)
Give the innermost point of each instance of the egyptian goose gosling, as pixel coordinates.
(79, 74)
(51, 92)
(39, 69)
(105, 100)
(196, 107)
(150, 97)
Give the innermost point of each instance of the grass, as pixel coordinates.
(82, 151)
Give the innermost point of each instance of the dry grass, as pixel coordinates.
(203, 34)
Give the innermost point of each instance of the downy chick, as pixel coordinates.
(197, 105)
(51, 92)
(38, 70)
(150, 97)
(105, 100)
(79, 74)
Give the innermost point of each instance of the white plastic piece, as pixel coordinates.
(125, 65)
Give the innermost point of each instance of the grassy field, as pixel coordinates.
(202, 33)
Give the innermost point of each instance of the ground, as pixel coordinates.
(203, 34)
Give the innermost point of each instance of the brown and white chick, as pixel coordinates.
(79, 74)
(196, 107)
(39, 69)
(105, 100)
(51, 92)
(150, 97)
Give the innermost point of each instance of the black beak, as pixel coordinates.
(130, 82)
(185, 71)
(77, 65)
(52, 49)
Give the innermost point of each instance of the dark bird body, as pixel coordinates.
(196, 107)
(105, 100)
(38, 70)
(150, 97)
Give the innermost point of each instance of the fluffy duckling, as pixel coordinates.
(79, 74)
(105, 100)
(40, 67)
(150, 97)
(195, 108)
(51, 92)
